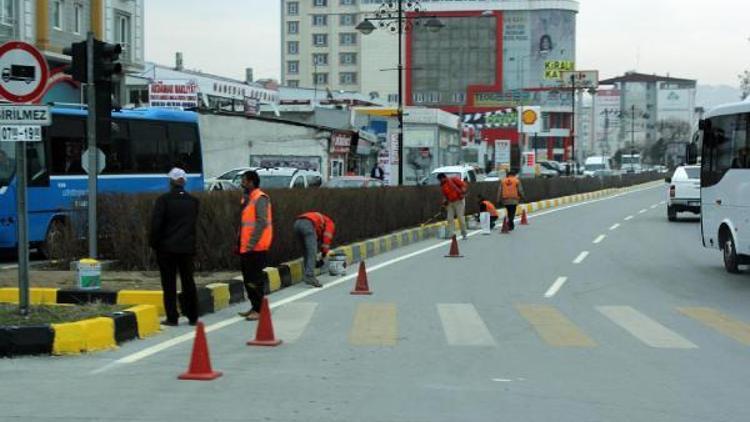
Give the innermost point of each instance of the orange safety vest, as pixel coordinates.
(248, 224)
(454, 189)
(324, 229)
(510, 188)
(491, 208)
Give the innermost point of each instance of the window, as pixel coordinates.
(292, 47)
(139, 96)
(123, 31)
(320, 20)
(292, 27)
(57, 11)
(78, 19)
(726, 146)
(348, 78)
(67, 139)
(348, 2)
(320, 3)
(320, 59)
(314, 181)
(348, 38)
(348, 58)
(320, 78)
(292, 8)
(150, 151)
(320, 40)
(292, 67)
(7, 17)
(292, 83)
(392, 98)
(184, 145)
(299, 182)
(348, 20)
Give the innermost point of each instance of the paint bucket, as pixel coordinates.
(89, 274)
(337, 264)
(484, 222)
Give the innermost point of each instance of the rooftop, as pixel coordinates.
(642, 77)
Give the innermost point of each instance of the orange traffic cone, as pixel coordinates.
(506, 226)
(362, 287)
(524, 218)
(264, 333)
(454, 249)
(200, 361)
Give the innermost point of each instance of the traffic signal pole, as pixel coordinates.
(91, 140)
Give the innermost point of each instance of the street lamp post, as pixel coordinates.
(392, 15)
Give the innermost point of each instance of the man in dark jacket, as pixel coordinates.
(173, 236)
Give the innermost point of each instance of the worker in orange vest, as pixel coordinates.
(510, 194)
(454, 192)
(487, 206)
(315, 232)
(255, 237)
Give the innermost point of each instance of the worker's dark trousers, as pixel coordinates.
(169, 264)
(493, 221)
(252, 264)
(511, 215)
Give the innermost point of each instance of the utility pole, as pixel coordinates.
(573, 122)
(91, 141)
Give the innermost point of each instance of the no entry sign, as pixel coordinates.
(23, 72)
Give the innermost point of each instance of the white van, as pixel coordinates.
(597, 165)
(466, 173)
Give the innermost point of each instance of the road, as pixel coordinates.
(598, 312)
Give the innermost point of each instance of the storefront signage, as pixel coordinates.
(174, 94)
(553, 68)
(341, 143)
(501, 99)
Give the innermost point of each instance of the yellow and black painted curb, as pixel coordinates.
(142, 320)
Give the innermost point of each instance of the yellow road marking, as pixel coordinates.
(724, 324)
(554, 327)
(375, 324)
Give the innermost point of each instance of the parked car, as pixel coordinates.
(233, 173)
(466, 173)
(597, 166)
(547, 169)
(217, 185)
(284, 177)
(354, 182)
(684, 191)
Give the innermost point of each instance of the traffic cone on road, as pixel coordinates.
(524, 218)
(264, 333)
(200, 361)
(506, 226)
(362, 287)
(454, 249)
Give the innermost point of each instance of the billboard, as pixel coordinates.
(174, 94)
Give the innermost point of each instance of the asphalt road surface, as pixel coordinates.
(602, 311)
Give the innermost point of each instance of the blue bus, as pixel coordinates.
(145, 145)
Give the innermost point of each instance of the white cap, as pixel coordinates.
(177, 174)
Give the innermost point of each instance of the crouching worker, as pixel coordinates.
(487, 206)
(315, 232)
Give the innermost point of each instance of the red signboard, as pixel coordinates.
(341, 143)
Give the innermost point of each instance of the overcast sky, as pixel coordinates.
(708, 43)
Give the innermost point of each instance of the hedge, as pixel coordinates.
(359, 214)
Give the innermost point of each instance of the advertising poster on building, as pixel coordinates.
(173, 94)
(502, 154)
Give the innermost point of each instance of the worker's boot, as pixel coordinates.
(312, 281)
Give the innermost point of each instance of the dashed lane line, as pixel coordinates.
(628, 218)
(614, 227)
(643, 211)
(599, 239)
(556, 286)
(581, 257)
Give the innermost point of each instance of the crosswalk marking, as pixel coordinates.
(644, 328)
(463, 326)
(291, 320)
(375, 324)
(737, 330)
(554, 327)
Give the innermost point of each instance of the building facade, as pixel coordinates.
(53, 25)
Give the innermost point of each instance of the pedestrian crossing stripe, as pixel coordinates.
(554, 327)
(730, 327)
(375, 324)
(644, 328)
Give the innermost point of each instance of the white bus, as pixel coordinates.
(725, 183)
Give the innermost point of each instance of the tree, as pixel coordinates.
(670, 131)
(744, 84)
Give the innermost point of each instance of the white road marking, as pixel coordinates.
(644, 328)
(555, 287)
(290, 321)
(628, 218)
(600, 239)
(463, 326)
(581, 257)
(501, 380)
(152, 350)
(654, 206)
(615, 226)
(643, 211)
(9, 267)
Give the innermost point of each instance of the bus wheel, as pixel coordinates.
(54, 239)
(731, 261)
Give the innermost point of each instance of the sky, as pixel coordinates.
(710, 43)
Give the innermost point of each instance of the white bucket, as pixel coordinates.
(89, 274)
(484, 222)
(337, 264)
(442, 232)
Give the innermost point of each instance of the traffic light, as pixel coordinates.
(77, 68)
(105, 61)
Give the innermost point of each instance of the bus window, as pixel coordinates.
(725, 147)
(149, 147)
(67, 140)
(187, 149)
(7, 162)
(36, 165)
(118, 150)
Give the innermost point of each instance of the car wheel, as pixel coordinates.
(731, 261)
(53, 240)
(671, 214)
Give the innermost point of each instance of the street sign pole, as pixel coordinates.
(91, 138)
(23, 229)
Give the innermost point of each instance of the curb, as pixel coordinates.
(142, 320)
